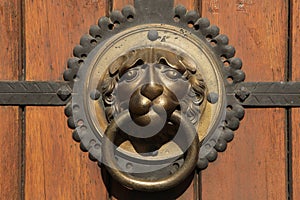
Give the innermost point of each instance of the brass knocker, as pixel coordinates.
(149, 94)
(149, 101)
(148, 184)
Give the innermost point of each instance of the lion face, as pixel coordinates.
(148, 85)
(145, 86)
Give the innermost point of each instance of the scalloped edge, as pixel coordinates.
(190, 20)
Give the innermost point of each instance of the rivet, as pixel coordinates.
(152, 35)
(95, 94)
(212, 98)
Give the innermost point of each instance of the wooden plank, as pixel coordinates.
(295, 20)
(10, 157)
(190, 4)
(190, 194)
(10, 134)
(119, 4)
(253, 167)
(55, 166)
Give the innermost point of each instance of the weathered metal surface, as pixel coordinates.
(149, 181)
(51, 93)
(151, 39)
(266, 94)
(151, 84)
(34, 93)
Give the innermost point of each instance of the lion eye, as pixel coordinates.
(172, 74)
(131, 75)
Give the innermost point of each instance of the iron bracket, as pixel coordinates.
(266, 94)
(58, 93)
(35, 93)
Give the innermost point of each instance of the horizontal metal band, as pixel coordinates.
(34, 93)
(265, 94)
(50, 93)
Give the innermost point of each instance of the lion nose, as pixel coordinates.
(152, 90)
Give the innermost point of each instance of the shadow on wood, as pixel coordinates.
(116, 190)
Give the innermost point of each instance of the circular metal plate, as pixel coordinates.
(174, 30)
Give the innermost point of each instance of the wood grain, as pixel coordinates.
(295, 20)
(55, 166)
(10, 157)
(119, 4)
(253, 166)
(190, 4)
(10, 125)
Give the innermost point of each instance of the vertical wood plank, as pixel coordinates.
(190, 194)
(190, 4)
(55, 166)
(10, 157)
(295, 20)
(253, 167)
(119, 4)
(10, 134)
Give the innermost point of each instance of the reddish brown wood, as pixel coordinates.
(190, 4)
(189, 194)
(10, 157)
(296, 153)
(55, 166)
(253, 167)
(119, 4)
(10, 134)
(296, 112)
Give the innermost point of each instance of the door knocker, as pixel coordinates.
(149, 94)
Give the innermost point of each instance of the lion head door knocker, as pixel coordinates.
(149, 94)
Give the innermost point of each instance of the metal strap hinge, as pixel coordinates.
(51, 93)
(35, 93)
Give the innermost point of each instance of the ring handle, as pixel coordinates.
(142, 184)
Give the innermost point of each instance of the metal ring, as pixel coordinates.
(141, 184)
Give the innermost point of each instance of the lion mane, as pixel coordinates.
(190, 105)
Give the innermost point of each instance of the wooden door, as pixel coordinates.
(39, 159)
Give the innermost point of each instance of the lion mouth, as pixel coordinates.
(141, 103)
(153, 110)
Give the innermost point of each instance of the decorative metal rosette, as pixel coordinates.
(170, 24)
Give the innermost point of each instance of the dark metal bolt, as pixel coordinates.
(64, 92)
(95, 94)
(152, 35)
(242, 94)
(212, 98)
